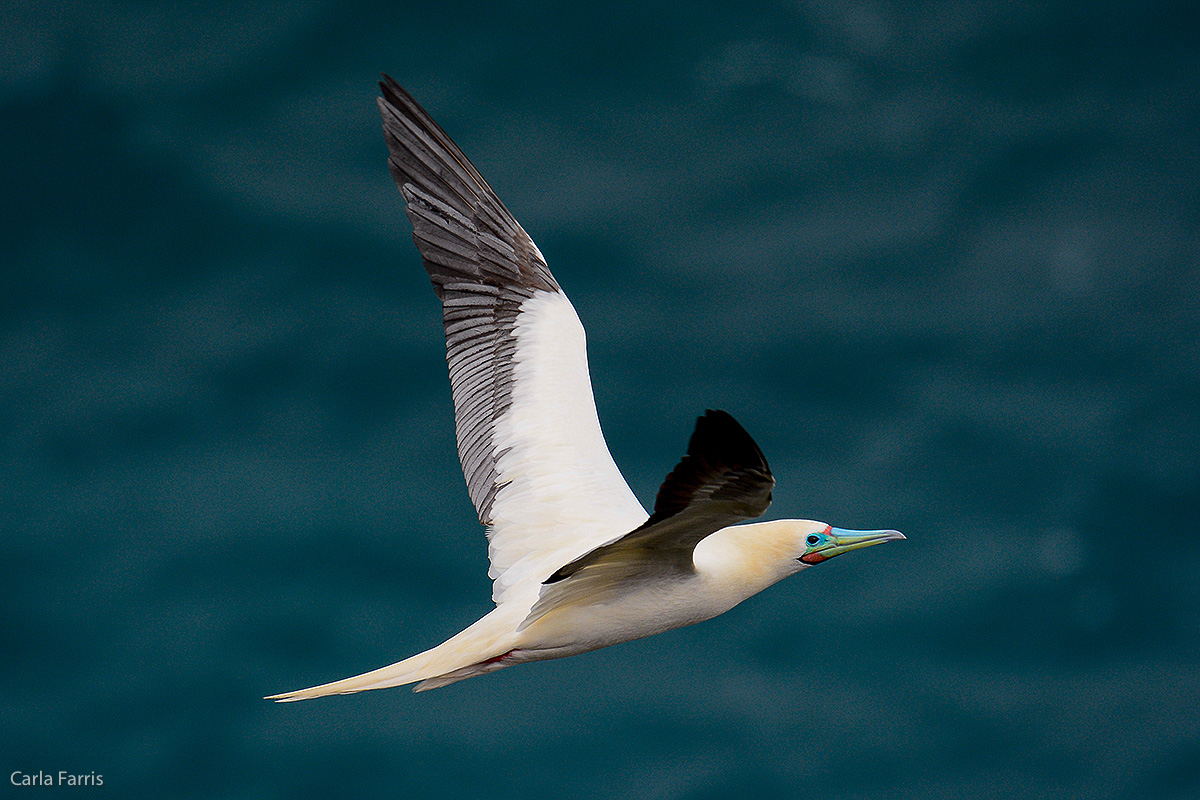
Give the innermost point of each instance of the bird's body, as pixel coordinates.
(576, 562)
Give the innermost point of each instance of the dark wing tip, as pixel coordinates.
(719, 437)
(723, 464)
(396, 95)
(461, 227)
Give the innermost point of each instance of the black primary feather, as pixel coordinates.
(723, 464)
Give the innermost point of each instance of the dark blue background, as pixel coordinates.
(939, 258)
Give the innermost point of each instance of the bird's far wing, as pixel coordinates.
(724, 479)
(535, 461)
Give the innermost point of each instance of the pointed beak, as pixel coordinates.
(843, 541)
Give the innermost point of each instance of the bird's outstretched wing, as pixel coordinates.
(535, 461)
(724, 479)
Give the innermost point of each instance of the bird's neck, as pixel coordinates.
(745, 559)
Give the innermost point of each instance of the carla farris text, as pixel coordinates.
(63, 778)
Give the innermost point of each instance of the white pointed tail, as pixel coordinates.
(479, 649)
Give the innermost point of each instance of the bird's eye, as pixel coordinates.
(813, 539)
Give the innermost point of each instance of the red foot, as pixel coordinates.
(501, 657)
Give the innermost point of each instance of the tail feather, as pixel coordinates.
(479, 649)
(397, 674)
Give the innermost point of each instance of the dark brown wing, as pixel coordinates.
(724, 479)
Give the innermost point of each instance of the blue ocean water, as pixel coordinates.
(939, 259)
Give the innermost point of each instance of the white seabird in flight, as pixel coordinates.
(577, 563)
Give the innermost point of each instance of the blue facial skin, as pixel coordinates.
(835, 541)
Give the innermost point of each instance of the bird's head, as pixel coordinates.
(819, 542)
(749, 558)
(753, 557)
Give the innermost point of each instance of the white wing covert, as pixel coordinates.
(533, 455)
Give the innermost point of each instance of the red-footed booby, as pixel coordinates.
(577, 563)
